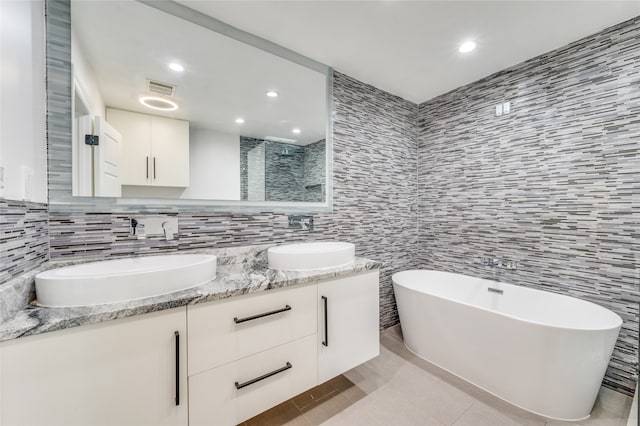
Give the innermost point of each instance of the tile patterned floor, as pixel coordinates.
(398, 388)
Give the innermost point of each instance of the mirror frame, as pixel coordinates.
(59, 80)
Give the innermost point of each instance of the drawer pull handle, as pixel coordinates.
(325, 302)
(266, 314)
(177, 334)
(264, 376)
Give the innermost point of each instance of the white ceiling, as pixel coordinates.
(409, 48)
(127, 42)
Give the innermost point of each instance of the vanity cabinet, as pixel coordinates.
(348, 322)
(119, 372)
(155, 150)
(245, 355)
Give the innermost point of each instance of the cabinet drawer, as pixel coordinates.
(216, 339)
(215, 400)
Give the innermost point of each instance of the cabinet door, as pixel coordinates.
(135, 130)
(115, 373)
(348, 323)
(170, 152)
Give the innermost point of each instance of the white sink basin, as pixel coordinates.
(121, 280)
(305, 256)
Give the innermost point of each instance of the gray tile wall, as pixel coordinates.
(246, 145)
(374, 199)
(24, 240)
(297, 176)
(314, 171)
(554, 185)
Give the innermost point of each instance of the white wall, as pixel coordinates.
(214, 163)
(22, 100)
(84, 76)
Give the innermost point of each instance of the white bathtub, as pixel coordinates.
(540, 351)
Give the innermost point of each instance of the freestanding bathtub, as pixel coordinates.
(543, 352)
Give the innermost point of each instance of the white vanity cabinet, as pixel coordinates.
(119, 372)
(250, 353)
(245, 355)
(155, 150)
(348, 323)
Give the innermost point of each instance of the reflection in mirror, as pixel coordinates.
(164, 108)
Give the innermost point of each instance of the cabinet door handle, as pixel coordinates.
(264, 376)
(177, 334)
(154, 167)
(147, 163)
(266, 314)
(325, 302)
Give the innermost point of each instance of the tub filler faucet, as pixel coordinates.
(493, 262)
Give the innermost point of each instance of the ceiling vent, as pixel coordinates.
(158, 88)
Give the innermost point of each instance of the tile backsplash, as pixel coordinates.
(24, 242)
(554, 185)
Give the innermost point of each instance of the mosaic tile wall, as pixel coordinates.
(246, 145)
(554, 185)
(314, 171)
(298, 175)
(24, 242)
(374, 132)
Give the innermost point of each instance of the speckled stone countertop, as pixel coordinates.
(239, 271)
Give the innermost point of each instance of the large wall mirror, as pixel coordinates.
(169, 107)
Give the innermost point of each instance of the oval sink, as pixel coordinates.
(305, 256)
(121, 280)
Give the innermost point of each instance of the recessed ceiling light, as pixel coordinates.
(296, 131)
(161, 104)
(176, 66)
(239, 120)
(272, 94)
(467, 46)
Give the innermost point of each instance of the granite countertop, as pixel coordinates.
(244, 273)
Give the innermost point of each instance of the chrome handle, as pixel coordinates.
(154, 167)
(147, 163)
(264, 376)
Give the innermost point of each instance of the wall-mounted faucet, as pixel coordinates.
(301, 222)
(142, 227)
(495, 262)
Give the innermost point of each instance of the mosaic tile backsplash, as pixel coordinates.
(24, 242)
(374, 133)
(553, 186)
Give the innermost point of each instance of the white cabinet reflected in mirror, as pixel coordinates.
(167, 109)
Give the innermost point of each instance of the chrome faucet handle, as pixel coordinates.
(168, 230)
(495, 262)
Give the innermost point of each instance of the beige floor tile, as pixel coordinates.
(395, 332)
(400, 389)
(600, 416)
(482, 415)
(328, 409)
(613, 401)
